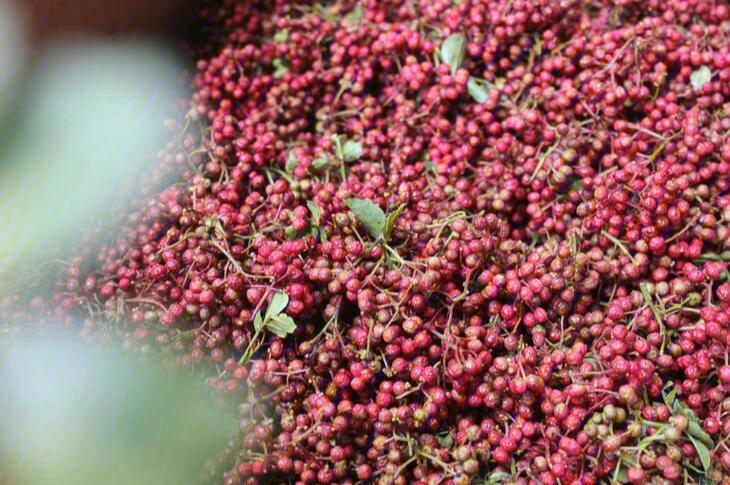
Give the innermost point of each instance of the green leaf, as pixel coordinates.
(372, 216)
(320, 162)
(316, 213)
(477, 90)
(290, 233)
(281, 325)
(390, 222)
(689, 413)
(258, 323)
(671, 396)
(700, 77)
(280, 67)
(351, 150)
(281, 36)
(430, 166)
(650, 302)
(356, 14)
(703, 452)
(453, 51)
(291, 162)
(498, 477)
(695, 430)
(277, 305)
(445, 440)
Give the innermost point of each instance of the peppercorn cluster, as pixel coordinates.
(444, 241)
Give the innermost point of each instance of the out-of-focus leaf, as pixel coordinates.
(74, 414)
(83, 140)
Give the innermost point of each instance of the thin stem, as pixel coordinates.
(620, 245)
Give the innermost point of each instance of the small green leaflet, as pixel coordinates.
(695, 430)
(258, 322)
(430, 166)
(281, 325)
(316, 213)
(349, 150)
(497, 478)
(291, 162)
(275, 321)
(281, 36)
(650, 302)
(670, 398)
(280, 67)
(453, 51)
(445, 440)
(356, 14)
(320, 162)
(703, 452)
(290, 233)
(477, 88)
(277, 304)
(371, 215)
(700, 439)
(694, 427)
(700, 77)
(373, 218)
(390, 222)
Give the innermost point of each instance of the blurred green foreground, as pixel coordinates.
(75, 415)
